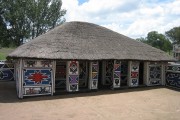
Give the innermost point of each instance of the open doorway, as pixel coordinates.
(124, 73)
(105, 74)
(60, 76)
(141, 73)
(83, 74)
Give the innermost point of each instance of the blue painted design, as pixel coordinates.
(6, 74)
(1, 65)
(73, 79)
(134, 81)
(155, 72)
(173, 79)
(30, 72)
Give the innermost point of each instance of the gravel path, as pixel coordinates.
(154, 103)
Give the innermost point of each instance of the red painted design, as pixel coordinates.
(134, 74)
(73, 63)
(37, 77)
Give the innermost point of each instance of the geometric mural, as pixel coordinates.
(116, 74)
(134, 76)
(155, 75)
(93, 80)
(37, 63)
(6, 74)
(37, 77)
(37, 90)
(173, 79)
(6, 70)
(73, 75)
(173, 76)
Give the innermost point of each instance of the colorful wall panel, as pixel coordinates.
(72, 78)
(155, 74)
(37, 90)
(173, 76)
(6, 70)
(38, 63)
(93, 77)
(133, 73)
(38, 77)
(116, 74)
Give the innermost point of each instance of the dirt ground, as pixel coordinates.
(150, 103)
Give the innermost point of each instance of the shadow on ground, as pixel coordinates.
(8, 93)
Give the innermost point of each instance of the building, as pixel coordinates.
(176, 51)
(78, 55)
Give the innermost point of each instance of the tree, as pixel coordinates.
(26, 19)
(3, 30)
(157, 40)
(44, 15)
(174, 35)
(142, 40)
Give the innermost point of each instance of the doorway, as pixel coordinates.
(83, 74)
(124, 73)
(105, 74)
(141, 73)
(60, 76)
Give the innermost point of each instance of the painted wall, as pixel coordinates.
(173, 76)
(72, 78)
(37, 77)
(116, 74)
(6, 70)
(34, 77)
(93, 75)
(133, 73)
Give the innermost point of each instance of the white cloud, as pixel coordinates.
(133, 18)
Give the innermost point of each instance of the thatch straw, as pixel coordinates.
(86, 41)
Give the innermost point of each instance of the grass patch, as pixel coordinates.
(4, 52)
(2, 56)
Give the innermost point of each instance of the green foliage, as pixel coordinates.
(157, 40)
(2, 56)
(142, 40)
(174, 35)
(26, 19)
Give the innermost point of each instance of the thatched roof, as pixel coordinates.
(87, 41)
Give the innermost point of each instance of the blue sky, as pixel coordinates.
(82, 1)
(133, 18)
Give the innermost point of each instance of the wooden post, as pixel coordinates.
(93, 75)
(21, 79)
(54, 76)
(146, 72)
(72, 77)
